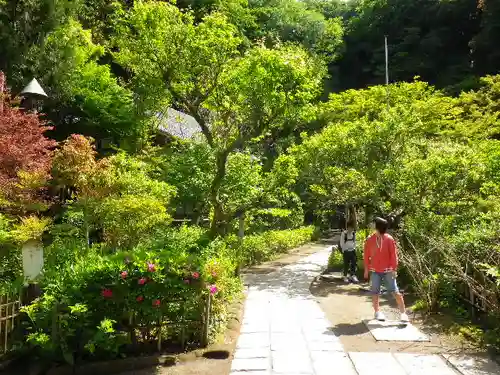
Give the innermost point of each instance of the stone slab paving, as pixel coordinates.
(376, 363)
(391, 330)
(418, 364)
(467, 365)
(285, 332)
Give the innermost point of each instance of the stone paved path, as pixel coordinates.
(285, 332)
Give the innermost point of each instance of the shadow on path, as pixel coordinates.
(352, 329)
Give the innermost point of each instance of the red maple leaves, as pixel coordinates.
(25, 153)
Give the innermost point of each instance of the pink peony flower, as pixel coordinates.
(124, 274)
(151, 267)
(107, 293)
(142, 281)
(139, 298)
(213, 289)
(186, 281)
(156, 303)
(196, 275)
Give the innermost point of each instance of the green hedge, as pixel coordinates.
(259, 248)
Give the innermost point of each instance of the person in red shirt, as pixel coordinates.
(381, 263)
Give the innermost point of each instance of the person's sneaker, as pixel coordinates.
(404, 317)
(354, 279)
(379, 315)
(346, 279)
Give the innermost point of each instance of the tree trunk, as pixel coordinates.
(217, 224)
(87, 234)
(241, 228)
(351, 217)
(368, 216)
(241, 234)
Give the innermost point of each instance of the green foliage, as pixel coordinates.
(97, 300)
(433, 158)
(116, 194)
(421, 41)
(259, 248)
(127, 219)
(264, 219)
(24, 24)
(194, 65)
(10, 258)
(295, 21)
(335, 261)
(242, 185)
(189, 167)
(88, 94)
(480, 109)
(30, 228)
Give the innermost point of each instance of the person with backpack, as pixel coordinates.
(381, 264)
(348, 248)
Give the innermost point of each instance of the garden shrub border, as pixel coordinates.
(259, 248)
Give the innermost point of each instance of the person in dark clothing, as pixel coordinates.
(348, 248)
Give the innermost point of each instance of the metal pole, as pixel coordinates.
(387, 70)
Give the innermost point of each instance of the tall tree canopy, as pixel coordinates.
(234, 96)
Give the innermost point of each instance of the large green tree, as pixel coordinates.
(85, 97)
(290, 20)
(234, 96)
(23, 25)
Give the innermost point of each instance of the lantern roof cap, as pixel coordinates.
(33, 88)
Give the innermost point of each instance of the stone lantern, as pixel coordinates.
(29, 235)
(32, 255)
(33, 94)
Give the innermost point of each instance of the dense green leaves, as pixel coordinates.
(251, 73)
(295, 21)
(428, 156)
(85, 96)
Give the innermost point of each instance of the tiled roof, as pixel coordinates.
(179, 124)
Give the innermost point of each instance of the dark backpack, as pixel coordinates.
(345, 240)
(353, 239)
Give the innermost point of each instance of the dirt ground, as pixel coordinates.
(216, 359)
(347, 305)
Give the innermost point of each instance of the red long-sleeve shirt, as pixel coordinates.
(381, 255)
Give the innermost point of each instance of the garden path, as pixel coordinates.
(285, 332)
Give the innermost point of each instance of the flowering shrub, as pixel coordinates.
(129, 293)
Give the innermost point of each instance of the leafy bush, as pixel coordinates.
(10, 258)
(262, 247)
(116, 195)
(30, 228)
(97, 305)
